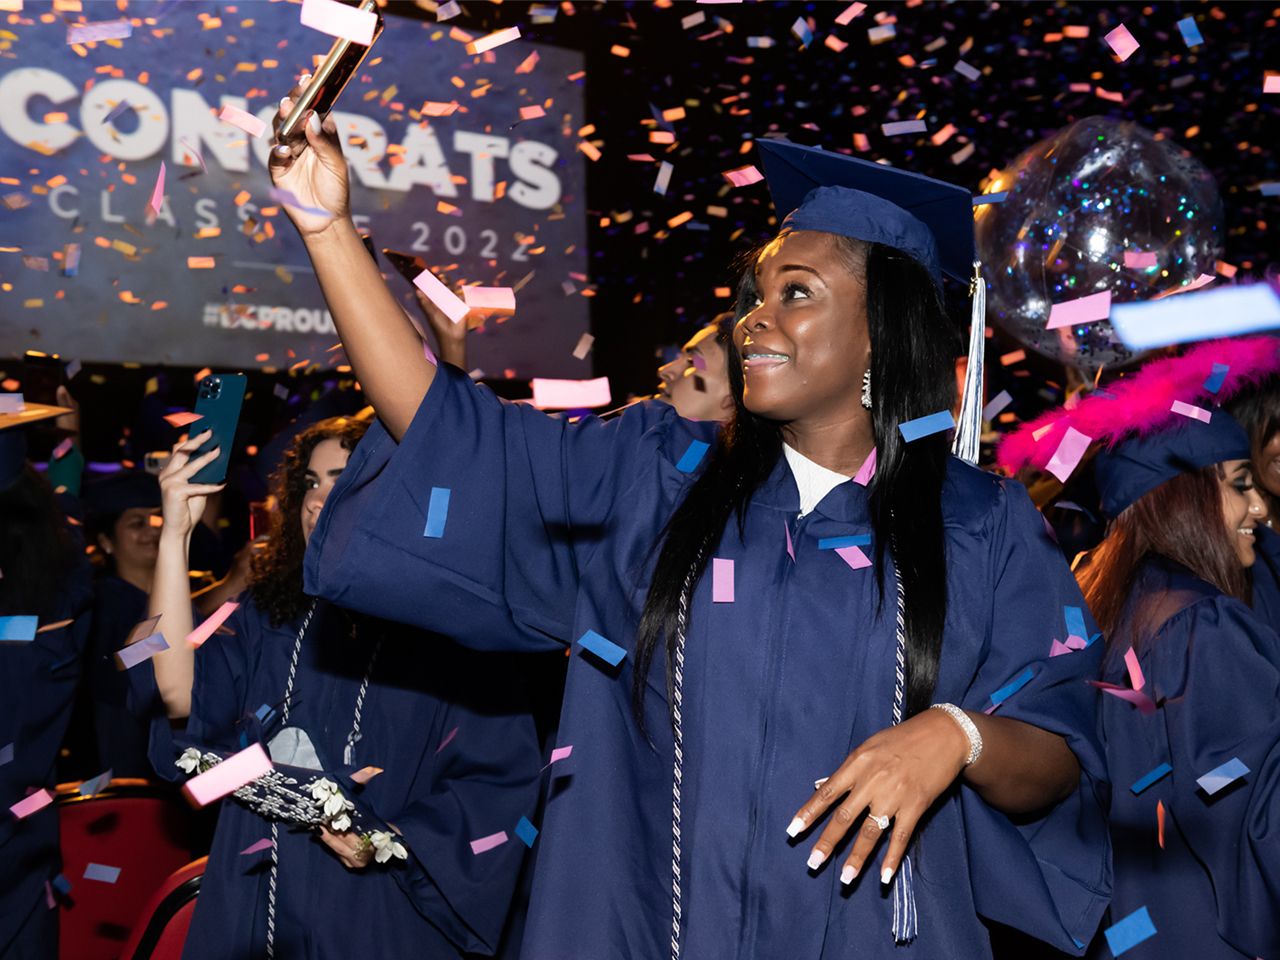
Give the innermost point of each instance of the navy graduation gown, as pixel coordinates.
(1213, 891)
(1266, 577)
(38, 681)
(119, 736)
(549, 533)
(460, 762)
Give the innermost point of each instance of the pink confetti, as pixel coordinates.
(854, 557)
(1271, 83)
(1192, 411)
(62, 449)
(1076, 643)
(441, 296)
(181, 420)
(339, 20)
(203, 632)
(1067, 456)
(365, 774)
(288, 198)
(528, 63)
(448, 739)
(560, 753)
(102, 30)
(851, 11)
(1058, 649)
(1136, 679)
(584, 346)
(1139, 259)
(721, 580)
(245, 121)
(570, 394)
(157, 194)
(1146, 706)
(29, 805)
(228, 776)
(1122, 42)
(1096, 306)
(485, 844)
(867, 470)
(743, 176)
(144, 649)
(489, 298)
(495, 39)
(194, 152)
(263, 844)
(532, 112)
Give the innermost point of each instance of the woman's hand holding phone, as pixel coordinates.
(311, 168)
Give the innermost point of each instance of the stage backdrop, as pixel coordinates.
(443, 166)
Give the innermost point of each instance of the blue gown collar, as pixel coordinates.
(846, 503)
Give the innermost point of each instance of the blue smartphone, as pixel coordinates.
(218, 401)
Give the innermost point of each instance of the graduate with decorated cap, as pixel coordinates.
(1191, 715)
(45, 598)
(750, 610)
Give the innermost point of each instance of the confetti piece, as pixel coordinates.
(1139, 259)
(441, 296)
(489, 298)
(1191, 410)
(1146, 706)
(849, 12)
(1121, 41)
(263, 844)
(19, 629)
(854, 557)
(101, 873)
(881, 33)
(6, 754)
(62, 449)
(228, 776)
(11, 403)
(1136, 679)
(70, 267)
(800, 30)
(144, 649)
(526, 831)
(721, 580)
(743, 176)
(1213, 383)
(791, 550)
(447, 11)
(437, 513)
(1065, 459)
(606, 650)
(1058, 649)
(1096, 306)
(835, 543)
(1226, 312)
(996, 404)
(289, 199)
(689, 461)
(118, 111)
(29, 805)
(550, 394)
(663, 179)
(926, 426)
(1221, 776)
(1160, 823)
(1074, 617)
(180, 420)
(1191, 37)
(203, 632)
(867, 470)
(584, 346)
(967, 71)
(903, 126)
(1012, 687)
(693, 20)
(560, 753)
(448, 739)
(495, 39)
(1130, 931)
(986, 198)
(485, 844)
(339, 20)
(62, 885)
(157, 194)
(1148, 779)
(532, 112)
(365, 774)
(200, 263)
(102, 30)
(1271, 83)
(243, 121)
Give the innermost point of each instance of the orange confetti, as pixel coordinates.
(242, 198)
(200, 263)
(619, 51)
(1160, 822)
(589, 149)
(680, 218)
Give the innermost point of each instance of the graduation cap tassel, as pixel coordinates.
(969, 425)
(905, 919)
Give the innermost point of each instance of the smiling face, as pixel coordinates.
(328, 459)
(696, 382)
(806, 344)
(1242, 507)
(1266, 465)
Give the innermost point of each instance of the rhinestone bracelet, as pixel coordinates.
(967, 725)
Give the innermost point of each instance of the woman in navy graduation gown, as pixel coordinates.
(413, 750)
(1193, 674)
(47, 576)
(685, 819)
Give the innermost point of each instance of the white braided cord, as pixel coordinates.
(677, 772)
(905, 918)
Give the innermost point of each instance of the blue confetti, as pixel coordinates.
(693, 456)
(101, 872)
(1213, 383)
(1190, 32)
(926, 426)
(18, 628)
(1270, 189)
(96, 785)
(526, 831)
(1219, 777)
(606, 650)
(1012, 687)
(61, 884)
(1075, 622)
(836, 543)
(1130, 931)
(801, 31)
(437, 512)
(1159, 773)
(986, 198)
(6, 754)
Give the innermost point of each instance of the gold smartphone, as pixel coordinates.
(339, 66)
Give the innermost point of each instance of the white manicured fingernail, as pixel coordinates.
(282, 150)
(795, 827)
(816, 858)
(314, 123)
(848, 873)
(886, 876)
(283, 100)
(818, 783)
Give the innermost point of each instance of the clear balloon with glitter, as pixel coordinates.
(1100, 206)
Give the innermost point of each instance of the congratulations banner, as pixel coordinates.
(468, 161)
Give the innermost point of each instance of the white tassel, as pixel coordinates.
(969, 425)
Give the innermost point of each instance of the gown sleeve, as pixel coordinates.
(1216, 672)
(1047, 874)
(529, 497)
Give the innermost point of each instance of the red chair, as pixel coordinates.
(143, 829)
(161, 930)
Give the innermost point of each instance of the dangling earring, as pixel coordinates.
(866, 388)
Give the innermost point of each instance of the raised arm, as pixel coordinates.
(380, 341)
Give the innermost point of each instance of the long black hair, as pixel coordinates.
(37, 552)
(913, 350)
